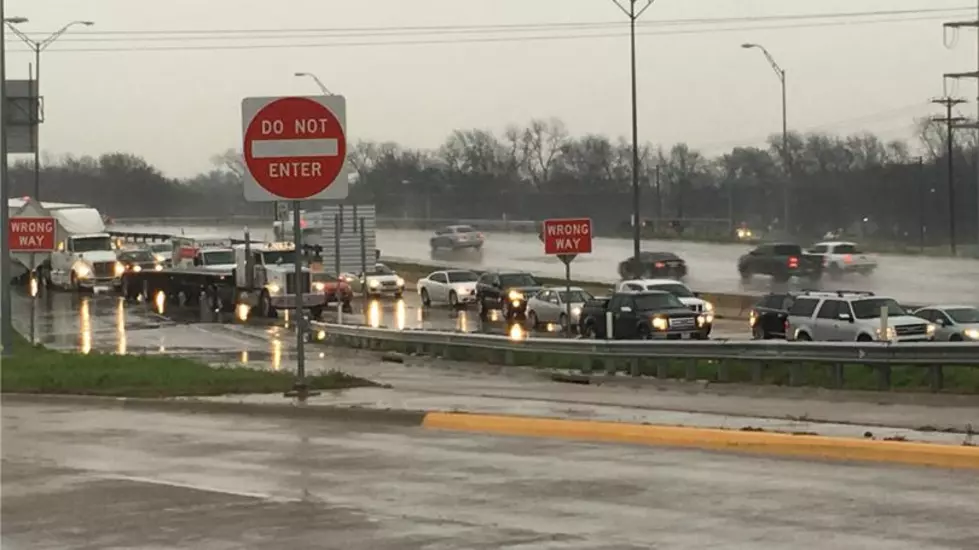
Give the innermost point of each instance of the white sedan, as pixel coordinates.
(456, 287)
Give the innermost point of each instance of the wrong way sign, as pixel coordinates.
(295, 148)
(567, 236)
(31, 234)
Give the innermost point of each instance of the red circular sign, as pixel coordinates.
(295, 147)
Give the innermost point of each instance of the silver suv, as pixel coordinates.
(849, 316)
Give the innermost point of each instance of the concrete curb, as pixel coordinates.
(286, 409)
(761, 443)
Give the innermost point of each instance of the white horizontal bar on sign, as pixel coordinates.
(279, 148)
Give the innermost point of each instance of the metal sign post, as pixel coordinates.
(301, 387)
(567, 259)
(33, 290)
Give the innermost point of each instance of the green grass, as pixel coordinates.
(35, 369)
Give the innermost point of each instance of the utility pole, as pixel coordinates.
(634, 14)
(6, 326)
(975, 124)
(921, 201)
(950, 121)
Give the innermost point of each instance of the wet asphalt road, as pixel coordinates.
(107, 323)
(82, 478)
(909, 279)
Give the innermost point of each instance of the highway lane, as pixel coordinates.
(910, 279)
(106, 323)
(79, 478)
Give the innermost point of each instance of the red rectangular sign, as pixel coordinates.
(567, 236)
(31, 234)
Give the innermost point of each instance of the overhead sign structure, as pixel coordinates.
(31, 234)
(567, 236)
(295, 148)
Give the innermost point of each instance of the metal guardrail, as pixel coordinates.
(932, 357)
(911, 353)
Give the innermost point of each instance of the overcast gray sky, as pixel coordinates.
(177, 107)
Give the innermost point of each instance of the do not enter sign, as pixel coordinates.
(294, 148)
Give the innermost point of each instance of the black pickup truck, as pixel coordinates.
(781, 261)
(768, 317)
(644, 315)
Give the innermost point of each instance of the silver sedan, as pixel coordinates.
(455, 287)
(953, 323)
(550, 305)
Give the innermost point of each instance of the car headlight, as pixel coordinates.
(273, 288)
(752, 319)
(889, 335)
(701, 320)
(373, 283)
(576, 312)
(82, 270)
(137, 268)
(319, 287)
(119, 269)
(515, 295)
(708, 306)
(972, 333)
(158, 267)
(401, 282)
(159, 257)
(931, 329)
(661, 323)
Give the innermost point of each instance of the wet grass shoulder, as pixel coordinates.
(38, 370)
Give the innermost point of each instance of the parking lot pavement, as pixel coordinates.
(77, 478)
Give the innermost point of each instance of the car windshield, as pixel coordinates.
(575, 297)
(137, 256)
(965, 315)
(91, 244)
(218, 257)
(518, 280)
(278, 257)
(380, 269)
(462, 276)
(651, 302)
(870, 308)
(465, 229)
(846, 249)
(676, 289)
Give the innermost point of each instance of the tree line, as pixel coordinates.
(891, 190)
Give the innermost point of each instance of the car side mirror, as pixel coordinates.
(845, 317)
(940, 322)
(696, 295)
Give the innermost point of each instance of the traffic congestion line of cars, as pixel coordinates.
(857, 316)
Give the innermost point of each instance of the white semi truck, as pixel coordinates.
(85, 253)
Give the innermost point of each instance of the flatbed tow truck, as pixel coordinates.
(262, 279)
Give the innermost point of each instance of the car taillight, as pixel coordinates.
(793, 261)
(660, 265)
(785, 326)
(848, 259)
(480, 235)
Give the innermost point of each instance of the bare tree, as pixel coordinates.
(543, 142)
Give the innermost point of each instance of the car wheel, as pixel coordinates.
(864, 338)
(643, 333)
(483, 311)
(803, 337)
(758, 333)
(955, 338)
(453, 299)
(265, 305)
(590, 332)
(316, 313)
(426, 299)
(563, 321)
(532, 320)
(745, 276)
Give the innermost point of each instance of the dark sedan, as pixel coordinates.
(653, 265)
(139, 260)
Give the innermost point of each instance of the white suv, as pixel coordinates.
(847, 316)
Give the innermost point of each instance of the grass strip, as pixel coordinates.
(35, 369)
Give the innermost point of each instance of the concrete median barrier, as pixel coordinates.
(752, 442)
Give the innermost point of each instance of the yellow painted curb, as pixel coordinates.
(803, 446)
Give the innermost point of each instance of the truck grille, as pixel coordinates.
(699, 308)
(910, 330)
(104, 270)
(683, 323)
(291, 283)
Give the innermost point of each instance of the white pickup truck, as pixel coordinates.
(841, 257)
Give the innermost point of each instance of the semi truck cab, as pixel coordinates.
(267, 279)
(85, 261)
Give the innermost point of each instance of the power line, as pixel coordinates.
(467, 40)
(224, 34)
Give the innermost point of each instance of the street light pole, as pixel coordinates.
(787, 156)
(316, 79)
(38, 46)
(6, 328)
(633, 14)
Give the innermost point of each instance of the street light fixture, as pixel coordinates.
(780, 72)
(316, 79)
(38, 46)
